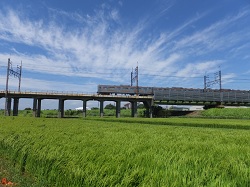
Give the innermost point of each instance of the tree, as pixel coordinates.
(158, 111)
(141, 106)
(110, 107)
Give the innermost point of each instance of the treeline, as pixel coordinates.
(158, 112)
(109, 110)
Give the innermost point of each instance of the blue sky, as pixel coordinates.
(76, 45)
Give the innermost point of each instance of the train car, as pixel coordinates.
(124, 89)
(178, 93)
(114, 89)
(145, 91)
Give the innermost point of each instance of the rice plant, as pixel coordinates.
(129, 152)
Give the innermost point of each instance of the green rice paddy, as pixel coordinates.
(129, 152)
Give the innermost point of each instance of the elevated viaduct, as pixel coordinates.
(165, 96)
(61, 97)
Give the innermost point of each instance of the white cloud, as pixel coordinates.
(30, 84)
(215, 37)
(120, 3)
(192, 69)
(114, 14)
(98, 49)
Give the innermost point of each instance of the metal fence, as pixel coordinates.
(199, 95)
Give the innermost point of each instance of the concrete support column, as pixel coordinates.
(118, 109)
(39, 106)
(101, 109)
(84, 108)
(35, 107)
(151, 112)
(134, 109)
(149, 108)
(61, 108)
(8, 106)
(15, 106)
(147, 111)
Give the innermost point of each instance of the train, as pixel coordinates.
(150, 91)
(177, 93)
(124, 89)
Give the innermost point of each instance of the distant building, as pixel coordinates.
(185, 108)
(193, 108)
(127, 106)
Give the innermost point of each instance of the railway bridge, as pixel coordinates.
(61, 97)
(148, 95)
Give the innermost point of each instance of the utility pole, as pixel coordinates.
(18, 74)
(6, 111)
(131, 82)
(7, 78)
(135, 78)
(217, 80)
(220, 80)
(206, 79)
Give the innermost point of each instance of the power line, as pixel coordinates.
(241, 79)
(110, 73)
(170, 76)
(52, 70)
(83, 70)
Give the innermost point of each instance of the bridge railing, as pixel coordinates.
(202, 96)
(46, 92)
(195, 95)
(73, 93)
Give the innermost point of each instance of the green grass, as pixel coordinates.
(184, 122)
(13, 174)
(231, 113)
(129, 152)
(74, 113)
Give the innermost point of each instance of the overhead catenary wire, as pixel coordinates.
(118, 75)
(108, 73)
(171, 76)
(56, 69)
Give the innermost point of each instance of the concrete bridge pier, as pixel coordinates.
(8, 106)
(37, 107)
(134, 109)
(101, 108)
(84, 108)
(150, 112)
(61, 108)
(15, 106)
(118, 109)
(34, 107)
(149, 108)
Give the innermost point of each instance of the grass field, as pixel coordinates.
(231, 113)
(12, 173)
(128, 152)
(220, 113)
(74, 113)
